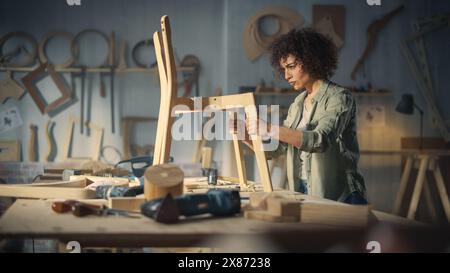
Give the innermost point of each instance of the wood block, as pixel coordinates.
(126, 203)
(267, 216)
(318, 212)
(163, 179)
(283, 207)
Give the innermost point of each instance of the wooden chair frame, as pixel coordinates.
(167, 75)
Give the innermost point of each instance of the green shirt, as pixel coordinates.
(330, 143)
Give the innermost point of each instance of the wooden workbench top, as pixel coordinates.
(36, 219)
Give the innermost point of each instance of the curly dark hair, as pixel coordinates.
(315, 51)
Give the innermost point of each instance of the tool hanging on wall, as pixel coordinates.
(51, 143)
(30, 83)
(9, 88)
(373, 32)
(28, 59)
(43, 43)
(33, 146)
(255, 42)
(135, 53)
(82, 76)
(109, 63)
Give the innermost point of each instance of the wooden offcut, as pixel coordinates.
(163, 179)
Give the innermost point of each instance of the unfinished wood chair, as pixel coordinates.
(167, 75)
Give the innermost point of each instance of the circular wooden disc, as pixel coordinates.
(163, 179)
(165, 175)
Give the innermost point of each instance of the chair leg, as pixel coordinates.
(442, 190)
(403, 185)
(240, 162)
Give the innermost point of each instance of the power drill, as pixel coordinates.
(215, 202)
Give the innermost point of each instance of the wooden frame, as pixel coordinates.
(69, 137)
(167, 74)
(30, 80)
(128, 124)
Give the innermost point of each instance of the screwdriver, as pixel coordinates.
(80, 209)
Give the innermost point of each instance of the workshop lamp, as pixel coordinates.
(406, 106)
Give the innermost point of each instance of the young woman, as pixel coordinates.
(319, 133)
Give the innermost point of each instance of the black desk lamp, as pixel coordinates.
(406, 106)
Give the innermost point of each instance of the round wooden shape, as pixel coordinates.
(163, 179)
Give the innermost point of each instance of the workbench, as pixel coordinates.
(34, 219)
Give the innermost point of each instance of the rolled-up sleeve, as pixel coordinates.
(330, 124)
(282, 147)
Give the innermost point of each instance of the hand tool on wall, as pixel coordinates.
(135, 53)
(81, 209)
(216, 202)
(373, 31)
(43, 43)
(33, 148)
(52, 147)
(30, 57)
(82, 76)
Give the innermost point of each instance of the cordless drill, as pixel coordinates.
(215, 202)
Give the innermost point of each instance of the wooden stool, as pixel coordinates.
(428, 160)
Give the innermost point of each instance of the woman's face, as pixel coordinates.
(294, 73)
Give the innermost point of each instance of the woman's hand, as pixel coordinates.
(258, 127)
